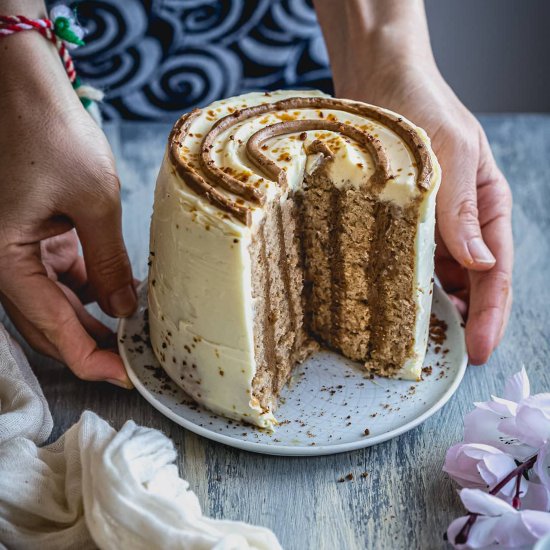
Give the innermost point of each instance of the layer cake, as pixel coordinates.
(283, 221)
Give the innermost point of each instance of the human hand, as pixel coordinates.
(57, 172)
(380, 53)
(474, 254)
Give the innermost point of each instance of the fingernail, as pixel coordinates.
(123, 301)
(127, 385)
(479, 251)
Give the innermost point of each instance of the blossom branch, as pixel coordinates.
(498, 436)
(462, 536)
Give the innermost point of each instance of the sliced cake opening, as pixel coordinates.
(358, 271)
(334, 266)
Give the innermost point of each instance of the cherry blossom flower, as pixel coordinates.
(536, 497)
(494, 522)
(497, 423)
(531, 423)
(542, 466)
(475, 465)
(504, 466)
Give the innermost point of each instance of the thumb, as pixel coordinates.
(109, 271)
(457, 212)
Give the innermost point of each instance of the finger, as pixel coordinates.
(76, 279)
(108, 267)
(75, 275)
(63, 263)
(45, 306)
(102, 334)
(507, 311)
(59, 252)
(460, 304)
(487, 313)
(457, 211)
(72, 276)
(452, 276)
(491, 291)
(31, 334)
(99, 332)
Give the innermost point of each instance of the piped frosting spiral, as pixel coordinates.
(237, 195)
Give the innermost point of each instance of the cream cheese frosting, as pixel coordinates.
(200, 251)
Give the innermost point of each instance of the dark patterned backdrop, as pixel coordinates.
(157, 58)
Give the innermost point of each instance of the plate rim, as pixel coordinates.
(289, 450)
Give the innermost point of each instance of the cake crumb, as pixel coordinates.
(438, 330)
(347, 477)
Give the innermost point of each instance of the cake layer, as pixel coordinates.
(280, 336)
(282, 220)
(359, 257)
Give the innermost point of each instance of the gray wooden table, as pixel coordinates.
(406, 501)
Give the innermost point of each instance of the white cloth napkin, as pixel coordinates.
(95, 487)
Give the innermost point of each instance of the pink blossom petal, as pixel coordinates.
(480, 535)
(535, 497)
(479, 502)
(536, 522)
(465, 463)
(494, 468)
(479, 451)
(460, 468)
(511, 531)
(484, 405)
(496, 408)
(542, 465)
(531, 425)
(540, 401)
(482, 426)
(517, 387)
(502, 407)
(454, 528)
(513, 427)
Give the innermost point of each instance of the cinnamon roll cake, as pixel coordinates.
(284, 221)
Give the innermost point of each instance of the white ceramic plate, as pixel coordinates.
(329, 404)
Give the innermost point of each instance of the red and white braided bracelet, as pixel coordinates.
(64, 32)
